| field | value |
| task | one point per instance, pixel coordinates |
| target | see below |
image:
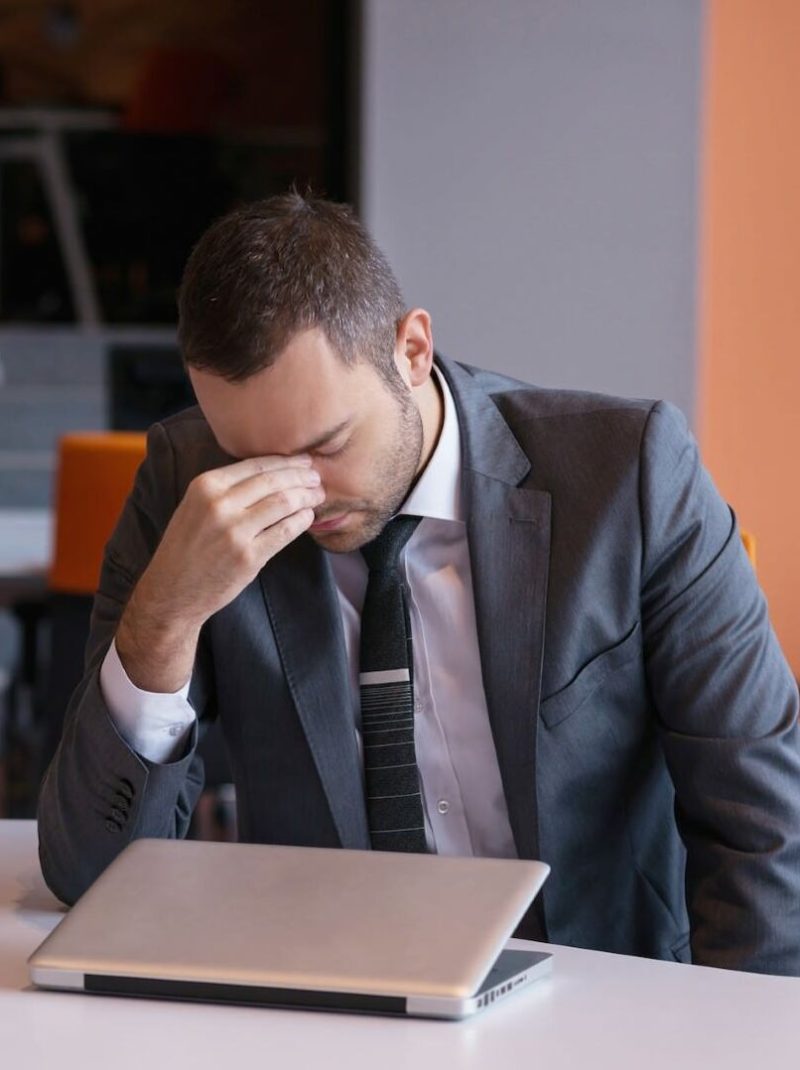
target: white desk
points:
(596, 1011)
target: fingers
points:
(253, 489)
(273, 539)
(269, 511)
(219, 480)
(256, 507)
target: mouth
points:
(331, 524)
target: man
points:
(572, 630)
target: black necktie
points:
(394, 801)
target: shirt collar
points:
(438, 491)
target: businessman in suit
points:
(590, 676)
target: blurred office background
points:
(595, 194)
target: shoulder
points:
(178, 449)
(575, 423)
(521, 402)
(187, 425)
(191, 441)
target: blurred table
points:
(597, 1010)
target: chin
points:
(351, 538)
(339, 542)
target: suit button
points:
(119, 815)
(126, 788)
(112, 826)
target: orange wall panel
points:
(749, 390)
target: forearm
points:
(743, 852)
(98, 795)
(728, 710)
(157, 647)
(730, 732)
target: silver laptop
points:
(298, 927)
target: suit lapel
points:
(303, 608)
(509, 537)
(508, 529)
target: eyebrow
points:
(321, 440)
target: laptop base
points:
(513, 970)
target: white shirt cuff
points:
(155, 725)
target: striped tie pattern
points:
(394, 800)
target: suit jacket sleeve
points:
(98, 794)
(728, 710)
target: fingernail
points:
(312, 477)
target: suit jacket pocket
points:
(568, 700)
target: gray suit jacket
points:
(644, 717)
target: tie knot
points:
(384, 551)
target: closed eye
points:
(335, 451)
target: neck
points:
(431, 409)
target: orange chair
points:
(95, 476)
(750, 545)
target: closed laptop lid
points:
(295, 917)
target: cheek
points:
(341, 482)
(348, 479)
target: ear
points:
(414, 348)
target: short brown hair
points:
(274, 267)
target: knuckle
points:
(300, 520)
(204, 485)
(217, 511)
(245, 555)
(290, 527)
(234, 544)
(287, 526)
(282, 499)
(280, 478)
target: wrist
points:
(156, 649)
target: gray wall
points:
(52, 381)
(531, 169)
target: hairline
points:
(383, 367)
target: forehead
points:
(303, 395)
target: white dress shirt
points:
(465, 808)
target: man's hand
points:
(231, 521)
